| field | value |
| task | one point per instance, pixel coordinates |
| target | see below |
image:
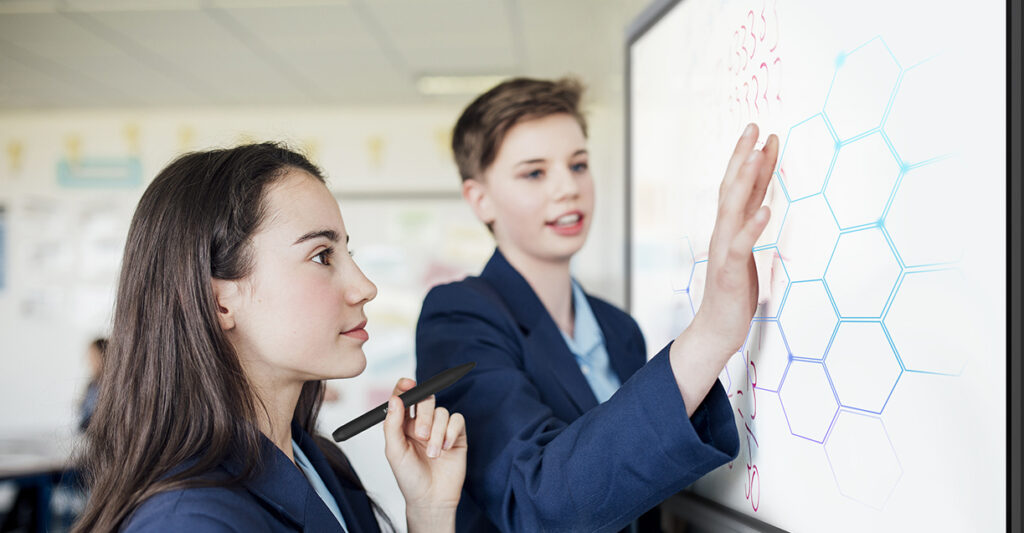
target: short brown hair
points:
(481, 128)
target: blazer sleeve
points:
(181, 510)
(530, 470)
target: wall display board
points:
(871, 391)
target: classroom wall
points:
(69, 182)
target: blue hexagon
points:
(773, 278)
(862, 366)
(807, 157)
(807, 400)
(862, 273)
(861, 89)
(767, 354)
(862, 458)
(927, 320)
(919, 220)
(862, 181)
(808, 319)
(808, 236)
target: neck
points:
(551, 281)
(279, 399)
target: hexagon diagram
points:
(862, 365)
(808, 236)
(861, 89)
(807, 157)
(919, 122)
(928, 319)
(774, 281)
(808, 319)
(767, 354)
(862, 458)
(862, 181)
(807, 400)
(862, 273)
(919, 221)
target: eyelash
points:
(538, 173)
(325, 256)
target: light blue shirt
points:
(587, 344)
(317, 483)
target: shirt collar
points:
(586, 331)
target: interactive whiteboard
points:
(870, 394)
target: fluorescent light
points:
(448, 85)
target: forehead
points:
(298, 202)
(555, 135)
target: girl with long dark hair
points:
(237, 297)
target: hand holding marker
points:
(409, 398)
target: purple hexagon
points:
(806, 157)
(927, 322)
(807, 239)
(807, 400)
(862, 181)
(863, 368)
(767, 354)
(861, 89)
(862, 459)
(808, 319)
(862, 273)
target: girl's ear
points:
(227, 294)
(476, 194)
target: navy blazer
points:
(279, 498)
(543, 454)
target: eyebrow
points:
(328, 234)
(542, 160)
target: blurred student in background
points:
(237, 298)
(569, 429)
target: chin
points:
(351, 365)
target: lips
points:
(569, 223)
(358, 332)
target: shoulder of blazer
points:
(472, 295)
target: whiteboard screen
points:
(870, 394)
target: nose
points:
(565, 185)
(359, 288)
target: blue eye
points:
(324, 257)
(535, 174)
(579, 167)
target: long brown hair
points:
(174, 402)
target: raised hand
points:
(731, 288)
(427, 454)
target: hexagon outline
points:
(689, 277)
(782, 152)
(892, 291)
(892, 347)
(840, 61)
(888, 439)
(785, 413)
(831, 336)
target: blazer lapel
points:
(342, 495)
(281, 486)
(542, 338)
(621, 356)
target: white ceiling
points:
(148, 53)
